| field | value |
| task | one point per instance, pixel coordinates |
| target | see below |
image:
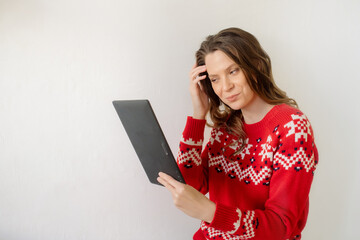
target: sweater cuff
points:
(226, 218)
(194, 129)
(233, 221)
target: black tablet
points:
(147, 138)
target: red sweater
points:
(261, 192)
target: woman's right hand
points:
(199, 98)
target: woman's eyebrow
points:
(226, 69)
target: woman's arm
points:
(192, 160)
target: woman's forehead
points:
(218, 61)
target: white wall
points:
(67, 169)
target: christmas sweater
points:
(261, 192)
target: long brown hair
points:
(245, 50)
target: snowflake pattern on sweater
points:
(262, 191)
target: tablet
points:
(147, 138)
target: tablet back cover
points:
(147, 138)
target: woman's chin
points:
(234, 105)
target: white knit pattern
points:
(215, 136)
(246, 150)
(300, 126)
(287, 162)
(266, 150)
(241, 174)
(191, 142)
(249, 229)
(190, 155)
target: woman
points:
(259, 162)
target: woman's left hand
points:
(188, 199)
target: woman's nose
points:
(227, 84)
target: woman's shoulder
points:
(289, 118)
(288, 109)
(293, 121)
(285, 113)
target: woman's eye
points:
(213, 80)
(233, 71)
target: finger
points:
(196, 71)
(170, 180)
(198, 79)
(167, 185)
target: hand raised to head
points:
(199, 98)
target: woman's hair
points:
(245, 50)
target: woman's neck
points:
(256, 110)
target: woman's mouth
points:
(232, 98)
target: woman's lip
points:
(232, 97)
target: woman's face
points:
(228, 81)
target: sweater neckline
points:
(264, 121)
